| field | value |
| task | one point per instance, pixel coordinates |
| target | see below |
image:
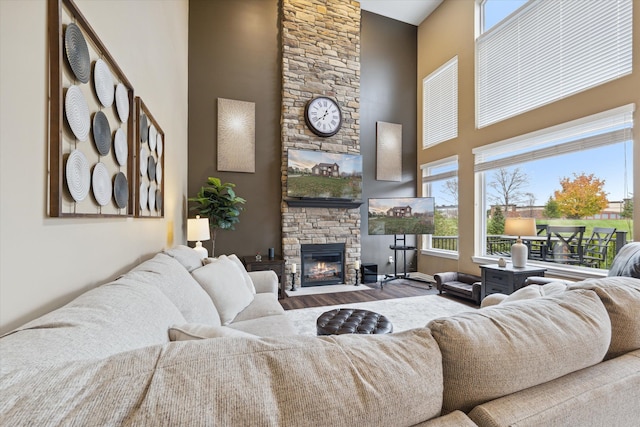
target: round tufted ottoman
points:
(352, 321)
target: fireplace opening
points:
(322, 264)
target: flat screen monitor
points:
(401, 215)
(322, 175)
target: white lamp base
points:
(202, 251)
(519, 253)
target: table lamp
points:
(519, 227)
(198, 230)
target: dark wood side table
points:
(505, 280)
(276, 265)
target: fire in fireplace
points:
(322, 264)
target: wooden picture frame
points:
(67, 197)
(150, 165)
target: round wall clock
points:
(323, 116)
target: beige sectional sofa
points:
(107, 358)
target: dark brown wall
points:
(388, 64)
(234, 53)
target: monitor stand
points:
(399, 244)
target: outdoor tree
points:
(495, 225)
(451, 188)
(445, 226)
(551, 209)
(507, 185)
(581, 196)
(627, 209)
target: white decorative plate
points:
(159, 145)
(122, 102)
(120, 147)
(103, 82)
(77, 112)
(144, 194)
(159, 173)
(121, 190)
(153, 134)
(101, 184)
(78, 175)
(152, 197)
(144, 158)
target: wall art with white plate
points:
(150, 140)
(91, 136)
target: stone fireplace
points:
(322, 264)
(320, 57)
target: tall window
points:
(549, 50)
(494, 11)
(578, 173)
(440, 104)
(440, 180)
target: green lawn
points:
(319, 186)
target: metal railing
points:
(500, 246)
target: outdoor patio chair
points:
(538, 248)
(595, 249)
(564, 244)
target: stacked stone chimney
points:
(320, 57)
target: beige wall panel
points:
(45, 262)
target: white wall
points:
(45, 262)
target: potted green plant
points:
(219, 203)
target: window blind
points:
(550, 50)
(609, 127)
(440, 104)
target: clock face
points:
(323, 116)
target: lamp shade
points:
(198, 229)
(520, 227)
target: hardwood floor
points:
(399, 288)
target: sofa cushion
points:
(263, 305)
(197, 331)
(621, 298)
(223, 281)
(502, 349)
(186, 256)
(270, 326)
(606, 394)
(179, 286)
(384, 380)
(109, 319)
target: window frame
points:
(535, 141)
(446, 102)
(427, 179)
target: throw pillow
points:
(510, 347)
(245, 275)
(197, 331)
(223, 281)
(186, 256)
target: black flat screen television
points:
(322, 175)
(401, 215)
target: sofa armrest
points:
(493, 299)
(264, 281)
